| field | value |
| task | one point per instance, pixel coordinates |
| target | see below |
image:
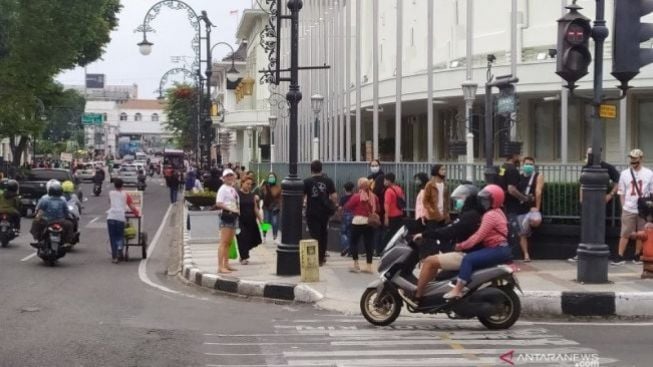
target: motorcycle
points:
(73, 216)
(51, 246)
(491, 297)
(7, 230)
(140, 184)
(97, 189)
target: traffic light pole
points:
(593, 252)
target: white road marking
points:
(142, 267)
(592, 323)
(26, 258)
(94, 220)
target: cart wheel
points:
(143, 245)
(126, 256)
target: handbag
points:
(373, 219)
(233, 249)
(643, 202)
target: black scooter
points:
(51, 247)
(491, 297)
(140, 184)
(8, 230)
(97, 189)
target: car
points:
(86, 172)
(128, 173)
(33, 182)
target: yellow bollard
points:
(308, 261)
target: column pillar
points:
(398, 78)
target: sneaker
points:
(619, 260)
(637, 260)
(344, 252)
(573, 259)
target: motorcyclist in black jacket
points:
(99, 176)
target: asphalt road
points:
(89, 312)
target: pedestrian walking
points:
(120, 204)
(250, 215)
(634, 183)
(173, 181)
(377, 185)
(214, 182)
(271, 191)
(321, 198)
(228, 202)
(364, 205)
(531, 183)
(394, 205)
(346, 218)
(436, 198)
(421, 179)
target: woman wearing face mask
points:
(436, 197)
(271, 192)
(529, 215)
(376, 183)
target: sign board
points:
(66, 157)
(92, 119)
(308, 261)
(506, 104)
(137, 199)
(608, 111)
(95, 81)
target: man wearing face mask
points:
(529, 213)
(377, 180)
(634, 183)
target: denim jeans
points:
(173, 194)
(345, 231)
(483, 258)
(273, 218)
(116, 236)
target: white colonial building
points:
(394, 87)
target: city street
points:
(89, 312)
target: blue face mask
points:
(458, 204)
(528, 169)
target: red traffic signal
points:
(574, 57)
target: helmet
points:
(636, 153)
(461, 193)
(491, 197)
(50, 183)
(68, 186)
(11, 185)
(3, 185)
(55, 189)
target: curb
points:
(233, 285)
(588, 304)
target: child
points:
(646, 236)
(347, 216)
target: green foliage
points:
(181, 109)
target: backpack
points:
(401, 200)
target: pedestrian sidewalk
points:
(549, 285)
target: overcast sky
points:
(123, 64)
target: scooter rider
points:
(465, 202)
(99, 176)
(51, 208)
(72, 200)
(10, 201)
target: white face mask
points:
(375, 169)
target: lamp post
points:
(273, 124)
(469, 94)
(316, 105)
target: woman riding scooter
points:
(465, 202)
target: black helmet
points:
(461, 195)
(55, 189)
(11, 186)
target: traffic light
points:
(629, 32)
(574, 57)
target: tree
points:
(40, 39)
(181, 109)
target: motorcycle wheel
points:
(5, 242)
(509, 315)
(384, 315)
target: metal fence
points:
(560, 202)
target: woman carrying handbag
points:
(365, 207)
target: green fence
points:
(560, 201)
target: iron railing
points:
(561, 196)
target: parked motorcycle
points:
(8, 230)
(51, 246)
(491, 297)
(97, 189)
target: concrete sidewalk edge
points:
(534, 303)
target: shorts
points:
(631, 223)
(451, 260)
(232, 225)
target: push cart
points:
(134, 234)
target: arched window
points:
(123, 117)
(138, 116)
(155, 117)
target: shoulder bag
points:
(373, 219)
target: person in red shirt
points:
(492, 235)
(394, 212)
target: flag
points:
(233, 12)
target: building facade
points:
(393, 89)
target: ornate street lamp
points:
(469, 94)
(316, 105)
(232, 74)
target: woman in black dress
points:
(249, 236)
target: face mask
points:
(458, 204)
(528, 169)
(418, 183)
(375, 169)
(272, 180)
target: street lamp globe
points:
(316, 103)
(233, 74)
(273, 122)
(469, 90)
(145, 47)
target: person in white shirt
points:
(227, 200)
(634, 182)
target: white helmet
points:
(50, 183)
